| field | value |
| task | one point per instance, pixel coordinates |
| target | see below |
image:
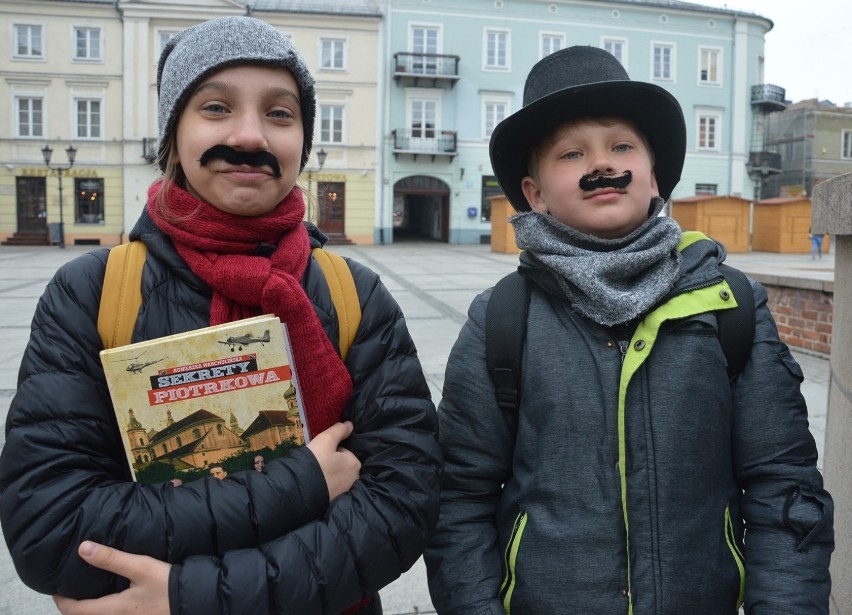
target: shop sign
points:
(45, 172)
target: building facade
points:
(812, 140)
(458, 69)
(408, 93)
(82, 74)
(61, 86)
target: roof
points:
(266, 419)
(199, 416)
(691, 6)
(707, 197)
(333, 7)
(780, 200)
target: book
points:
(211, 401)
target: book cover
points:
(212, 401)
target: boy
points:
(634, 476)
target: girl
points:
(319, 530)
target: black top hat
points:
(581, 82)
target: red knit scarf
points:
(219, 248)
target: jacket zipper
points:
(623, 346)
(510, 560)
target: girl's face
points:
(572, 173)
(251, 110)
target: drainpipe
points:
(733, 100)
(383, 116)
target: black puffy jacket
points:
(267, 541)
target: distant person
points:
(816, 245)
(217, 470)
(325, 526)
(259, 463)
(635, 476)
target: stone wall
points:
(833, 214)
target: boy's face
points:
(573, 169)
(242, 111)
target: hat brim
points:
(653, 110)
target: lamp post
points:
(71, 151)
(321, 155)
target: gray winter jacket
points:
(641, 481)
(257, 542)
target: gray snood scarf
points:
(610, 281)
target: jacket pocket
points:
(510, 558)
(739, 558)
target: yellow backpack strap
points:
(121, 296)
(341, 284)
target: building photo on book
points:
(206, 402)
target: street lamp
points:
(321, 156)
(71, 151)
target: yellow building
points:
(61, 86)
(80, 76)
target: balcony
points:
(763, 164)
(425, 143)
(768, 97)
(425, 69)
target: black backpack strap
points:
(505, 333)
(736, 326)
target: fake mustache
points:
(232, 156)
(591, 182)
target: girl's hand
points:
(339, 466)
(149, 584)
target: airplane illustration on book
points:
(136, 368)
(238, 341)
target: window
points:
(846, 145)
(331, 124)
(551, 43)
(89, 201)
(179, 441)
(497, 49)
(425, 45)
(423, 117)
(705, 189)
(617, 47)
(663, 59)
(163, 37)
(332, 55)
(494, 111)
(709, 66)
(28, 41)
(708, 131)
(88, 118)
(30, 117)
(88, 43)
(789, 145)
(196, 433)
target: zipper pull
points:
(623, 345)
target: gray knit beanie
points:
(196, 52)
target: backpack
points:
(123, 290)
(506, 327)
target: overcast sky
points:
(809, 50)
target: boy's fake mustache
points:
(591, 182)
(232, 156)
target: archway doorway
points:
(421, 209)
